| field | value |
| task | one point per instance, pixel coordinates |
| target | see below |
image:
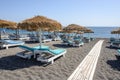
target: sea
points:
(99, 32)
(103, 32)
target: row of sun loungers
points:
(115, 43)
(76, 42)
(32, 37)
(41, 53)
(7, 41)
(20, 37)
(73, 43)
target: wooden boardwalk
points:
(86, 69)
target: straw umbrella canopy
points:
(73, 27)
(79, 32)
(7, 24)
(88, 30)
(40, 23)
(68, 31)
(116, 31)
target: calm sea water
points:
(102, 32)
(99, 32)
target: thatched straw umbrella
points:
(88, 30)
(73, 27)
(116, 31)
(40, 23)
(7, 24)
(79, 32)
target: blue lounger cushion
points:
(14, 42)
(42, 47)
(57, 51)
(35, 48)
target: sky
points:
(81, 12)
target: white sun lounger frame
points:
(50, 60)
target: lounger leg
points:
(52, 61)
(34, 55)
(29, 57)
(6, 47)
(63, 55)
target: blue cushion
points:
(29, 48)
(34, 48)
(57, 51)
(116, 42)
(13, 42)
(42, 47)
(70, 42)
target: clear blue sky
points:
(82, 12)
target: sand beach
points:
(108, 66)
(15, 68)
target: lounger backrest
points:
(34, 48)
(27, 48)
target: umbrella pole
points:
(40, 37)
(0, 35)
(16, 33)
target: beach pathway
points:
(86, 69)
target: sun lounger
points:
(19, 37)
(86, 39)
(24, 37)
(46, 40)
(4, 36)
(43, 54)
(78, 43)
(56, 38)
(9, 43)
(112, 39)
(34, 38)
(67, 42)
(30, 51)
(48, 56)
(91, 39)
(115, 44)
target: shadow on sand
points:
(14, 62)
(112, 47)
(115, 64)
(63, 46)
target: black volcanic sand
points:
(108, 66)
(15, 68)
